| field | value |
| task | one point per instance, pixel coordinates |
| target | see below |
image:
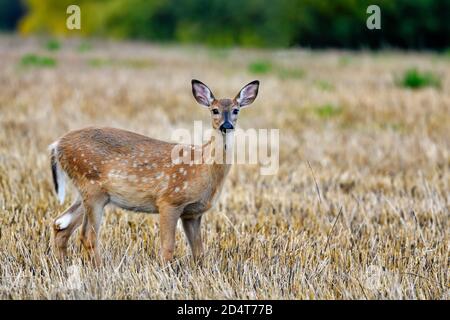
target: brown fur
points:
(134, 172)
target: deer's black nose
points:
(226, 126)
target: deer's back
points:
(134, 171)
(116, 162)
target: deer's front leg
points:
(192, 230)
(168, 224)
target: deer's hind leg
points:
(92, 220)
(64, 225)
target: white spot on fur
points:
(63, 222)
(176, 189)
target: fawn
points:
(134, 172)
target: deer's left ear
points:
(248, 94)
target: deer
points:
(138, 173)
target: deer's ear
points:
(202, 93)
(248, 93)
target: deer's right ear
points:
(202, 93)
(248, 93)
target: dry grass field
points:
(359, 208)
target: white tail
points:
(59, 180)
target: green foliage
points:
(53, 45)
(252, 23)
(84, 47)
(328, 111)
(344, 61)
(291, 73)
(324, 85)
(219, 53)
(445, 53)
(98, 62)
(415, 79)
(127, 63)
(260, 67)
(33, 60)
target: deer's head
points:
(224, 112)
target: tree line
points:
(418, 24)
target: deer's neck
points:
(216, 157)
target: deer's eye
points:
(215, 111)
(235, 111)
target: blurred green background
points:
(411, 24)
